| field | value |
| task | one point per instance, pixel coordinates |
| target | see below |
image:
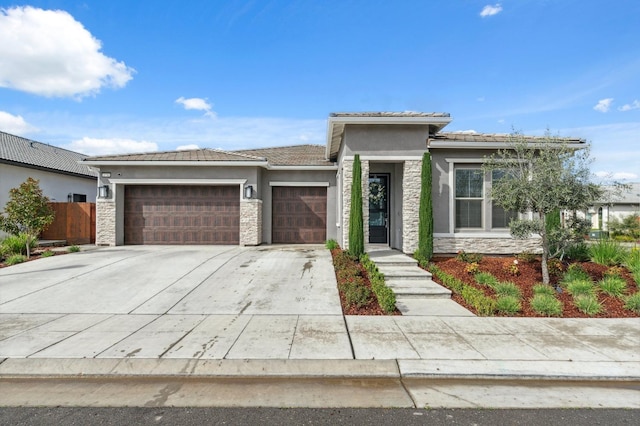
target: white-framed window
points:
(474, 210)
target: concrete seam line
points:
(526, 377)
(404, 386)
(346, 326)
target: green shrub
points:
(632, 259)
(483, 304)
(331, 244)
(633, 303)
(385, 295)
(14, 259)
(574, 272)
(588, 304)
(357, 295)
(17, 244)
(581, 288)
(547, 305)
(486, 278)
(578, 252)
(47, 253)
(507, 289)
(613, 285)
(73, 249)
(544, 289)
(469, 257)
(607, 252)
(508, 305)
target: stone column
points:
(411, 181)
(250, 222)
(105, 222)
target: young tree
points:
(542, 175)
(425, 227)
(356, 226)
(27, 211)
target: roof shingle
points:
(204, 154)
(296, 155)
(21, 151)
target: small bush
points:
(526, 256)
(14, 259)
(607, 252)
(485, 278)
(632, 259)
(547, 305)
(588, 304)
(555, 267)
(17, 244)
(331, 244)
(472, 268)
(575, 272)
(385, 295)
(357, 295)
(469, 257)
(508, 305)
(73, 249)
(511, 268)
(581, 288)
(507, 289)
(614, 271)
(578, 252)
(613, 285)
(632, 303)
(47, 253)
(484, 305)
(544, 289)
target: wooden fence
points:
(74, 222)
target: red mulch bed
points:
(372, 308)
(531, 274)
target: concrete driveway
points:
(205, 280)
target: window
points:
(473, 210)
(469, 197)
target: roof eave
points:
(99, 163)
(336, 126)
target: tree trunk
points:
(545, 252)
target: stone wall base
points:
(105, 223)
(250, 222)
(505, 245)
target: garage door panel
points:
(299, 214)
(182, 214)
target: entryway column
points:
(105, 222)
(250, 222)
(411, 181)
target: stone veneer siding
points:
(105, 223)
(250, 222)
(347, 181)
(411, 182)
(505, 245)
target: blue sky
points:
(120, 76)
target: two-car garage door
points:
(172, 214)
(183, 214)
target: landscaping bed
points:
(526, 275)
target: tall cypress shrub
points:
(356, 230)
(425, 227)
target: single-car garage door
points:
(172, 214)
(299, 214)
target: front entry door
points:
(379, 208)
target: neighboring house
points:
(615, 204)
(302, 194)
(61, 177)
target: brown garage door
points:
(166, 214)
(299, 214)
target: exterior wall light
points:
(103, 191)
(248, 191)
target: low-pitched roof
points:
(492, 137)
(24, 152)
(296, 155)
(203, 154)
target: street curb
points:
(107, 368)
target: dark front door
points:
(379, 208)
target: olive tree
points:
(27, 211)
(542, 176)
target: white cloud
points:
(49, 53)
(108, 146)
(466, 132)
(490, 10)
(603, 105)
(628, 107)
(14, 124)
(198, 104)
(187, 147)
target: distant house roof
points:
(613, 195)
(390, 114)
(296, 155)
(22, 152)
(492, 137)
